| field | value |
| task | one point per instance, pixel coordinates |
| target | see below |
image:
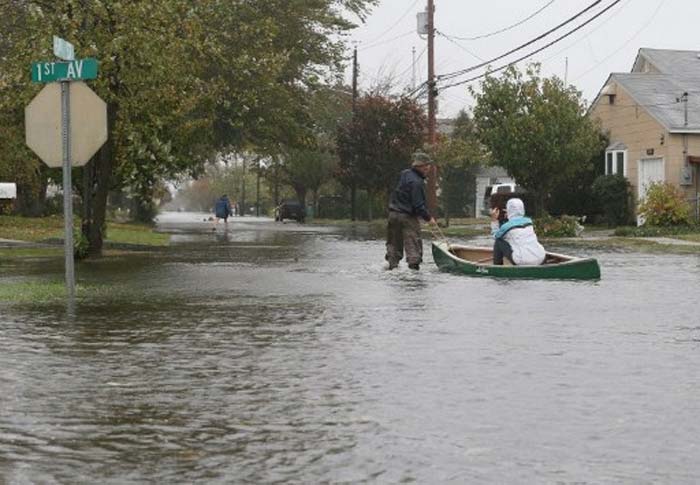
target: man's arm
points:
(419, 204)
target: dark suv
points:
(290, 210)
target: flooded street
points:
(279, 353)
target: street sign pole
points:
(66, 133)
(67, 190)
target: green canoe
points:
(476, 261)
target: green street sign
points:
(77, 70)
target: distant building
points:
(8, 190)
(8, 194)
(652, 115)
(445, 126)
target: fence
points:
(694, 204)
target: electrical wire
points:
(371, 46)
(418, 91)
(405, 71)
(505, 29)
(622, 7)
(395, 23)
(540, 49)
(646, 24)
(522, 46)
(458, 45)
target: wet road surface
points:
(277, 353)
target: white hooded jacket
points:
(523, 241)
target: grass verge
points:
(21, 252)
(33, 291)
(38, 229)
(624, 244)
(54, 291)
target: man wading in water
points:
(406, 205)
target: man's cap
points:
(420, 158)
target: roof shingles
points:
(660, 93)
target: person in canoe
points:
(406, 205)
(515, 239)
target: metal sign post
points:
(66, 123)
(67, 189)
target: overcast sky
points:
(608, 44)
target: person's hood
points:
(515, 208)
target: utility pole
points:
(566, 72)
(355, 74)
(432, 94)
(242, 209)
(413, 68)
(257, 192)
(686, 168)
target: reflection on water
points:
(274, 352)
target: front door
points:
(650, 170)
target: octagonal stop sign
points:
(88, 124)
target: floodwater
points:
(274, 353)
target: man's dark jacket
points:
(409, 195)
(222, 207)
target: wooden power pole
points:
(355, 74)
(432, 94)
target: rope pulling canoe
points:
(438, 234)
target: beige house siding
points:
(645, 138)
(627, 122)
(677, 162)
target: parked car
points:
(290, 209)
(506, 188)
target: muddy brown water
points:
(278, 353)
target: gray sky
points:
(608, 44)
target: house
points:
(652, 116)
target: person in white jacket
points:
(516, 238)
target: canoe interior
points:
(484, 256)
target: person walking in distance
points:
(407, 205)
(222, 209)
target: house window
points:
(616, 162)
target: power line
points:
(395, 23)
(522, 46)
(622, 7)
(458, 44)
(405, 71)
(505, 29)
(646, 24)
(417, 92)
(387, 41)
(540, 49)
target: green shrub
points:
(664, 205)
(564, 226)
(80, 245)
(613, 193)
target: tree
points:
(458, 155)
(183, 80)
(576, 197)
(378, 142)
(536, 129)
(306, 170)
